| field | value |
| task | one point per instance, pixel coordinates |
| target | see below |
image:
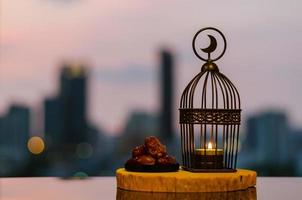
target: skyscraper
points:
(167, 92)
(18, 128)
(268, 138)
(53, 122)
(73, 99)
(14, 134)
(65, 115)
(251, 136)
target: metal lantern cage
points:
(210, 116)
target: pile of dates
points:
(151, 157)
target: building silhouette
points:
(270, 132)
(14, 134)
(65, 116)
(296, 149)
(139, 124)
(53, 123)
(267, 147)
(251, 136)
(167, 95)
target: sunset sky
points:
(120, 41)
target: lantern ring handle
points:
(212, 46)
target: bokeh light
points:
(84, 150)
(36, 145)
(80, 175)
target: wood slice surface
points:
(184, 181)
(248, 194)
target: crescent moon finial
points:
(213, 44)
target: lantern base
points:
(223, 170)
(185, 181)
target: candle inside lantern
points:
(209, 157)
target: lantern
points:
(210, 114)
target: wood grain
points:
(184, 181)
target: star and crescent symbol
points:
(211, 47)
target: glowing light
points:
(84, 150)
(210, 145)
(75, 70)
(80, 175)
(35, 145)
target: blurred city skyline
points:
(120, 41)
(73, 146)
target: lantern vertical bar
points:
(225, 101)
(234, 106)
(186, 146)
(192, 152)
(237, 142)
(237, 126)
(223, 138)
(231, 134)
(191, 105)
(216, 125)
(212, 102)
(228, 106)
(182, 143)
(231, 146)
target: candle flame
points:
(210, 145)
